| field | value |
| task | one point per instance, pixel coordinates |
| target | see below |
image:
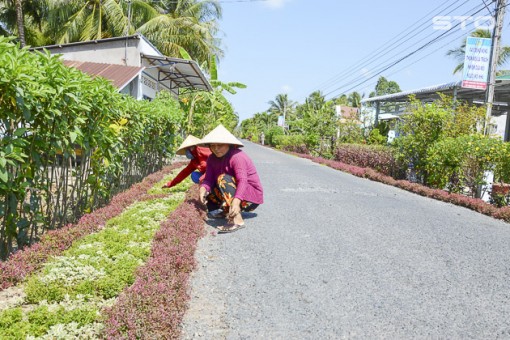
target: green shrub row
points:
(69, 142)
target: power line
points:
(386, 46)
(383, 67)
(403, 58)
(456, 38)
(353, 73)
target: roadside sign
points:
(476, 63)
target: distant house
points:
(347, 113)
(500, 110)
(133, 65)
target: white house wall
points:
(108, 52)
(112, 52)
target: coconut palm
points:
(20, 22)
(25, 17)
(354, 99)
(281, 105)
(459, 52)
(82, 20)
(188, 24)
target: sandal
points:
(229, 228)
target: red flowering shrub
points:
(377, 157)
(153, 307)
(22, 263)
(475, 204)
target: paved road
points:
(331, 256)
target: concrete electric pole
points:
(496, 39)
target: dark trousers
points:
(223, 193)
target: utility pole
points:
(496, 39)
(284, 109)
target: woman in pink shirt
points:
(231, 181)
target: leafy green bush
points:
(293, 143)
(69, 143)
(502, 167)
(376, 138)
(271, 134)
(459, 163)
(429, 123)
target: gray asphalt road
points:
(332, 256)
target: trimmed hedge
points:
(376, 157)
(475, 204)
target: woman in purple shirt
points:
(231, 181)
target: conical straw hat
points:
(188, 142)
(220, 135)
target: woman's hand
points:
(235, 208)
(166, 186)
(203, 195)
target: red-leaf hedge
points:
(475, 204)
(22, 263)
(153, 307)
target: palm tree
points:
(82, 20)
(281, 106)
(23, 18)
(354, 99)
(188, 24)
(460, 51)
(20, 22)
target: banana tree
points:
(207, 109)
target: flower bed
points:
(153, 307)
(475, 204)
(54, 242)
(68, 297)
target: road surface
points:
(332, 256)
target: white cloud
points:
(286, 89)
(276, 3)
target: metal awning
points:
(501, 93)
(181, 72)
(119, 75)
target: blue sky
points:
(299, 46)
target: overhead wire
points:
(355, 73)
(456, 38)
(388, 66)
(387, 46)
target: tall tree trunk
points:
(20, 22)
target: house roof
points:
(182, 72)
(349, 112)
(501, 89)
(119, 75)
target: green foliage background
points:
(69, 142)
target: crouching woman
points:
(231, 181)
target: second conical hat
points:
(220, 135)
(188, 142)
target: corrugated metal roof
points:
(182, 72)
(119, 75)
(430, 89)
(425, 91)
